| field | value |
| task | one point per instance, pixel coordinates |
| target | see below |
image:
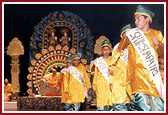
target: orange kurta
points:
(53, 81)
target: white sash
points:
(103, 68)
(64, 71)
(78, 76)
(144, 49)
(124, 56)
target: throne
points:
(45, 89)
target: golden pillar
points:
(15, 49)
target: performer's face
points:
(161, 64)
(141, 22)
(106, 51)
(76, 62)
(69, 64)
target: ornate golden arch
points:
(45, 61)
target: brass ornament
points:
(29, 77)
(33, 62)
(15, 47)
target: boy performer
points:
(101, 80)
(146, 44)
(121, 90)
(76, 84)
(61, 80)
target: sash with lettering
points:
(103, 68)
(144, 49)
(124, 56)
(78, 76)
(64, 71)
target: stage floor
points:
(12, 106)
(44, 103)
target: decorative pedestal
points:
(15, 49)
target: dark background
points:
(102, 19)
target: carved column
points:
(15, 49)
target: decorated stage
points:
(56, 37)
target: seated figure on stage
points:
(8, 91)
(49, 84)
(65, 40)
(52, 79)
(52, 39)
